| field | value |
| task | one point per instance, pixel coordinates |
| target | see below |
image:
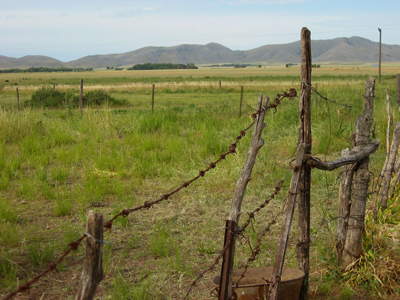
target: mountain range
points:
(334, 51)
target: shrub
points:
(50, 97)
(47, 97)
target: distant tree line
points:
(161, 66)
(45, 69)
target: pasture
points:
(57, 164)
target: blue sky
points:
(68, 30)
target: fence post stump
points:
(92, 273)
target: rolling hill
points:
(339, 50)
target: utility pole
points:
(380, 54)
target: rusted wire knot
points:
(125, 213)
(165, 197)
(52, 266)
(186, 184)
(222, 156)
(23, 287)
(74, 245)
(212, 165)
(232, 148)
(108, 225)
(147, 204)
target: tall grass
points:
(61, 163)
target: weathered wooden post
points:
(241, 100)
(225, 290)
(300, 182)
(18, 98)
(152, 98)
(398, 90)
(81, 96)
(220, 84)
(92, 272)
(303, 245)
(355, 227)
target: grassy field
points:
(57, 164)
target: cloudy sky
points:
(67, 30)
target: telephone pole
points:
(380, 54)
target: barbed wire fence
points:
(73, 246)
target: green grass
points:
(57, 164)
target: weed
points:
(40, 253)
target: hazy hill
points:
(29, 61)
(339, 50)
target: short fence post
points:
(220, 84)
(152, 98)
(241, 100)
(18, 98)
(81, 96)
(92, 273)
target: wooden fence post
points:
(18, 98)
(355, 227)
(220, 84)
(241, 100)
(152, 98)
(398, 90)
(316, 94)
(92, 273)
(81, 96)
(225, 292)
(303, 246)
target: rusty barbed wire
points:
(326, 99)
(217, 259)
(232, 149)
(73, 246)
(256, 250)
(261, 206)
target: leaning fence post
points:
(92, 272)
(225, 290)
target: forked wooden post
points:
(225, 290)
(92, 273)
